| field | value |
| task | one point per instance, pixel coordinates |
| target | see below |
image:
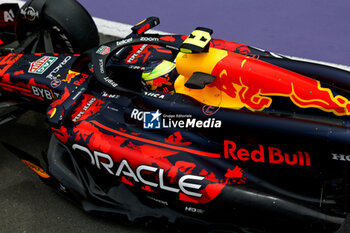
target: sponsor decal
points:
(265, 154)
(123, 42)
(134, 56)
(71, 75)
(103, 50)
(247, 83)
(341, 157)
(157, 200)
(150, 39)
(44, 93)
(136, 67)
(100, 64)
(155, 94)
(209, 110)
(41, 65)
(111, 82)
(112, 109)
(9, 16)
(85, 108)
(29, 13)
(172, 121)
(113, 96)
(186, 184)
(194, 210)
(81, 80)
(54, 71)
(79, 93)
(55, 83)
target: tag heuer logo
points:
(41, 65)
(103, 50)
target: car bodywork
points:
(246, 134)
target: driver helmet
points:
(160, 77)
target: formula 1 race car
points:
(199, 131)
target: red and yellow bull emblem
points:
(246, 82)
(71, 75)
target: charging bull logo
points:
(71, 75)
(248, 82)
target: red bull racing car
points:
(201, 132)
